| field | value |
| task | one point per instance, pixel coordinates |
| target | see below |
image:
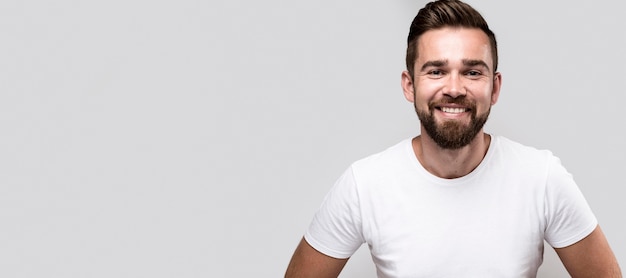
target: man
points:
(454, 201)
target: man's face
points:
(454, 84)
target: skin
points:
(310, 263)
(457, 63)
(452, 62)
(590, 257)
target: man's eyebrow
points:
(473, 63)
(435, 63)
(466, 62)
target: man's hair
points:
(446, 13)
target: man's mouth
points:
(453, 110)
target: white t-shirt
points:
(489, 223)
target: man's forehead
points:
(453, 45)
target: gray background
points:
(197, 138)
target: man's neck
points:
(447, 163)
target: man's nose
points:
(454, 86)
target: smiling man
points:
(454, 201)
(452, 84)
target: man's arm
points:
(308, 262)
(590, 257)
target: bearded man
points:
(454, 201)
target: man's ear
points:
(407, 86)
(497, 85)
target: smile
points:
(453, 110)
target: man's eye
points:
(435, 72)
(473, 73)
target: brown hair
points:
(446, 13)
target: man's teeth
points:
(454, 110)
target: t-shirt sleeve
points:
(569, 217)
(336, 229)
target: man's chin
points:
(464, 121)
(454, 140)
(453, 126)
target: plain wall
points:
(198, 138)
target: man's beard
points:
(452, 134)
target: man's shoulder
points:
(515, 145)
(397, 153)
(511, 149)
